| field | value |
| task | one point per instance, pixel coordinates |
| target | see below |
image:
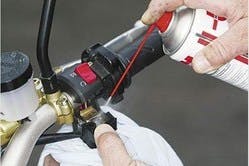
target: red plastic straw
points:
(134, 57)
(162, 24)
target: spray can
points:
(192, 29)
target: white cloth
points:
(141, 143)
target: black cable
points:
(48, 76)
(56, 137)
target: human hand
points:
(232, 43)
(111, 148)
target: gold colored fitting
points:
(58, 101)
(7, 129)
(88, 113)
(39, 91)
(62, 106)
(66, 111)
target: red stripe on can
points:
(242, 59)
(208, 35)
(215, 24)
(203, 42)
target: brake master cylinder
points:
(18, 94)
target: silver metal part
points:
(67, 65)
(72, 100)
(178, 30)
(119, 42)
(99, 119)
(127, 37)
(23, 141)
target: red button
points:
(86, 73)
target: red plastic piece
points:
(164, 21)
(86, 73)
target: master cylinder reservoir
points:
(18, 98)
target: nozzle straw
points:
(139, 49)
(108, 101)
(162, 24)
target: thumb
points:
(223, 49)
(111, 148)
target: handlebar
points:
(120, 49)
(22, 143)
(152, 51)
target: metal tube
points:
(23, 141)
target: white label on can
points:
(207, 27)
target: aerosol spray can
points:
(190, 30)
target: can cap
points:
(164, 21)
(16, 70)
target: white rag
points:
(142, 144)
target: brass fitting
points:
(39, 91)
(7, 129)
(58, 101)
(88, 113)
(62, 106)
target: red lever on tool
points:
(162, 24)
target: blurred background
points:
(203, 119)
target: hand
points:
(232, 43)
(50, 161)
(111, 148)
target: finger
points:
(232, 43)
(156, 9)
(137, 163)
(111, 148)
(232, 9)
(50, 161)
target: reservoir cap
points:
(16, 70)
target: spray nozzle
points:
(164, 21)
